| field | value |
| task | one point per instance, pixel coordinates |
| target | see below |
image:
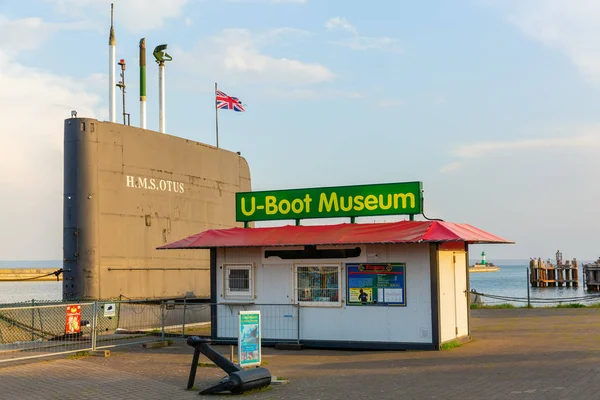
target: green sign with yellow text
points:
(342, 201)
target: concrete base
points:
(460, 340)
(155, 345)
(100, 353)
(278, 381)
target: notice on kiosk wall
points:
(376, 284)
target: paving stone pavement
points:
(519, 354)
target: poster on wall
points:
(249, 336)
(376, 284)
(73, 324)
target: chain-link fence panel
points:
(279, 322)
(44, 330)
(122, 323)
(31, 331)
(187, 318)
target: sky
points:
(493, 104)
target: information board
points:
(376, 284)
(249, 336)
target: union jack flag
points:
(225, 102)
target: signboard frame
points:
(401, 198)
(249, 344)
(376, 281)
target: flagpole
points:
(216, 116)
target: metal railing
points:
(280, 322)
(41, 330)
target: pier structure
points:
(546, 274)
(30, 274)
(591, 275)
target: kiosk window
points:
(318, 285)
(238, 281)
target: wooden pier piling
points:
(545, 274)
(591, 275)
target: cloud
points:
(235, 55)
(569, 27)
(481, 149)
(136, 16)
(49, 98)
(358, 42)
(279, 33)
(336, 23)
(588, 140)
(34, 105)
(451, 167)
(29, 33)
(541, 198)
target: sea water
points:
(511, 281)
(16, 292)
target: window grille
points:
(238, 280)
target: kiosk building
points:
(397, 285)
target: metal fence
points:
(279, 322)
(41, 330)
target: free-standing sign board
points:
(249, 336)
(73, 324)
(376, 284)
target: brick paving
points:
(516, 354)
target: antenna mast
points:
(121, 85)
(112, 43)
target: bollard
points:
(239, 380)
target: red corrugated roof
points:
(391, 232)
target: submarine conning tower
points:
(129, 190)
